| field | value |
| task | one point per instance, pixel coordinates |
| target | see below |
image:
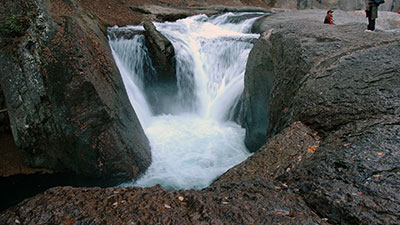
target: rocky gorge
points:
(320, 108)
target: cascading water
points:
(197, 144)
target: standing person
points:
(371, 12)
(329, 17)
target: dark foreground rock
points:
(67, 104)
(251, 202)
(344, 84)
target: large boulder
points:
(67, 104)
(344, 84)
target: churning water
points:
(200, 140)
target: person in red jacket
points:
(329, 17)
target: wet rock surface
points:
(258, 83)
(355, 180)
(66, 101)
(344, 84)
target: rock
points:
(162, 53)
(389, 5)
(359, 115)
(252, 202)
(319, 4)
(4, 120)
(163, 90)
(258, 82)
(115, 33)
(386, 21)
(67, 104)
(283, 153)
(160, 13)
(353, 179)
(224, 9)
(344, 84)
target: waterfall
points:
(200, 140)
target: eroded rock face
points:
(67, 103)
(344, 84)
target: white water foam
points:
(190, 152)
(194, 147)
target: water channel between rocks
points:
(200, 139)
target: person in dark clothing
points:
(371, 12)
(329, 17)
